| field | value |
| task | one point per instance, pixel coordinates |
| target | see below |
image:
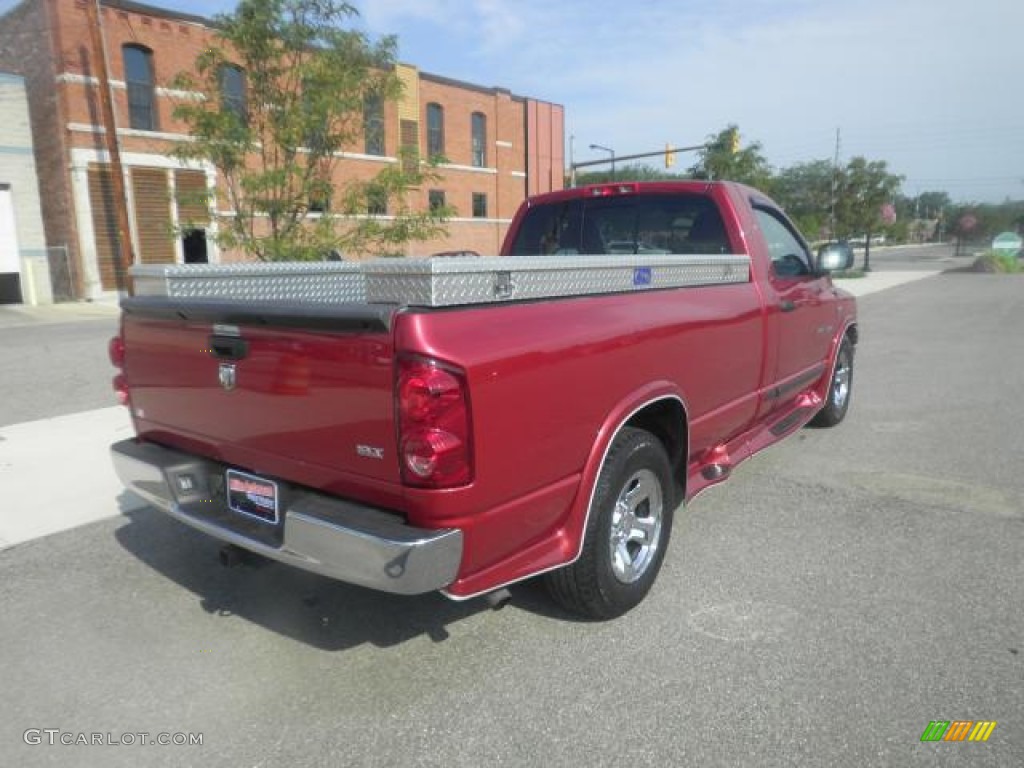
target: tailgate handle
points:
(228, 347)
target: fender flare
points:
(576, 520)
(833, 356)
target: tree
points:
(722, 158)
(863, 188)
(805, 190)
(282, 92)
(637, 172)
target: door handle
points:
(787, 306)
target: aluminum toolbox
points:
(438, 282)
(327, 282)
(472, 280)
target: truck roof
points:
(698, 186)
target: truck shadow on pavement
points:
(312, 609)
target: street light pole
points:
(610, 151)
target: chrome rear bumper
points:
(333, 537)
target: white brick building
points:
(24, 274)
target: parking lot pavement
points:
(56, 473)
(66, 457)
(839, 593)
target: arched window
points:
(138, 76)
(435, 130)
(479, 140)
(232, 91)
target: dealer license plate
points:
(252, 496)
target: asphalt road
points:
(837, 594)
(51, 369)
(914, 257)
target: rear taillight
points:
(611, 190)
(115, 349)
(434, 440)
(121, 388)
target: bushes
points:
(997, 262)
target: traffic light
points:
(670, 156)
(734, 141)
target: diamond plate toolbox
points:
(325, 282)
(471, 280)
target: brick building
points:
(500, 147)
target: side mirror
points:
(834, 257)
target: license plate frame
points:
(253, 496)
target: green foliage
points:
(626, 173)
(805, 191)
(746, 165)
(991, 219)
(307, 79)
(862, 188)
(998, 261)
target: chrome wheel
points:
(636, 526)
(841, 381)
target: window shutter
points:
(104, 224)
(153, 216)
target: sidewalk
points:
(876, 281)
(56, 474)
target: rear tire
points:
(627, 531)
(840, 387)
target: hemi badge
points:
(369, 452)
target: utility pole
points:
(123, 256)
(835, 184)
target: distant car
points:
(443, 254)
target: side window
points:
(787, 251)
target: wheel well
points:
(666, 420)
(854, 334)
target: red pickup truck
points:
(461, 424)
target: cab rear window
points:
(630, 224)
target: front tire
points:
(627, 531)
(840, 387)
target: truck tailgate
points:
(266, 387)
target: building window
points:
(436, 197)
(232, 92)
(138, 75)
(376, 202)
(435, 130)
(373, 124)
(479, 140)
(479, 205)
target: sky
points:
(933, 87)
